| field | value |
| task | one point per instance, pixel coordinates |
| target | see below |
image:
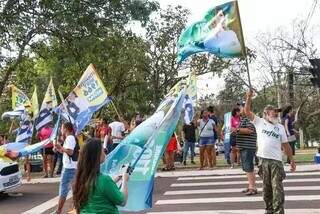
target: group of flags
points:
(86, 98)
(219, 33)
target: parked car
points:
(10, 175)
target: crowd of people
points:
(251, 136)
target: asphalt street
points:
(201, 194)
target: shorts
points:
(48, 151)
(247, 159)
(67, 177)
(206, 141)
(233, 140)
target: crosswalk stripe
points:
(257, 211)
(240, 182)
(233, 190)
(233, 199)
(238, 176)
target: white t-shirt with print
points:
(207, 128)
(69, 143)
(117, 129)
(270, 137)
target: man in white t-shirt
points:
(69, 162)
(271, 139)
(117, 133)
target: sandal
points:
(245, 190)
(252, 192)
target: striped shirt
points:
(247, 141)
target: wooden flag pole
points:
(114, 106)
(244, 46)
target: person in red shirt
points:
(104, 133)
(48, 154)
(172, 147)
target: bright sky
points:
(256, 16)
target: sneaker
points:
(193, 162)
(184, 163)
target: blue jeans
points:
(188, 145)
(227, 149)
(67, 177)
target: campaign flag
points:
(24, 148)
(86, 98)
(145, 146)
(219, 32)
(49, 103)
(35, 103)
(19, 98)
(191, 89)
(227, 127)
(24, 132)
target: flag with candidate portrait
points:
(219, 32)
(49, 103)
(85, 99)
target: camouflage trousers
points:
(272, 174)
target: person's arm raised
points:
(247, 107)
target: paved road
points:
(207, 194)
(222, 194)
(26, 197)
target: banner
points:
(35, 103)
(25, 149)
(148, 141)
(19, 98)
(227, 127)
(219, 33)
(24, 132)
(49, 103)
(191, 98)
(87, 97)
(191, 90)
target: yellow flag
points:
(35, 103)
(19, 98)
(50, 96)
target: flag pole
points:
(244, 46)
(114, 106)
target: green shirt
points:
(104, 198)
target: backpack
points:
(76, 150)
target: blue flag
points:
(145, 146)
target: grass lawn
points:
(303, 156)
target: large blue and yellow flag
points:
(88, 96)
(145, 145)
(219, 32)
(49, 103)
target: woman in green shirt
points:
(94, 192)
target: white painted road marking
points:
(290, 211)
(233, 199)
(239, 176)
(233, 190)
(241, 182)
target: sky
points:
(257, 16)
